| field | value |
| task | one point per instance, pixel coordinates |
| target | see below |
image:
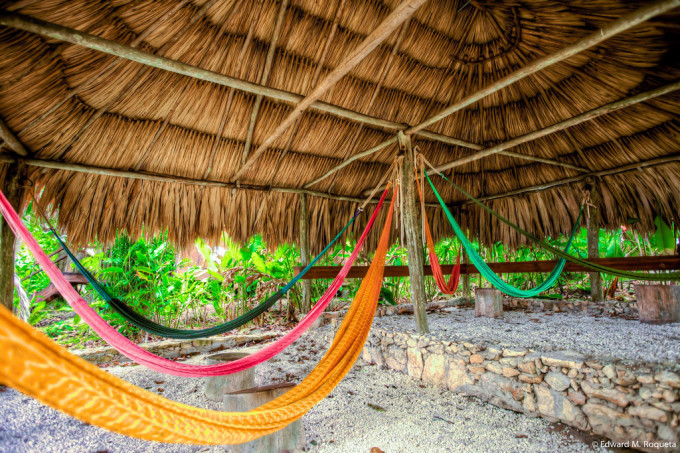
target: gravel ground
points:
(403, 416)
(600, 336)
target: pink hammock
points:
(143, 357)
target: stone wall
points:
(621, 400)
(610, 307)
(171, 349)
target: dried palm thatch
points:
(70, 104)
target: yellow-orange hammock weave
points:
(33, 364)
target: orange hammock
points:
(445, 287)
(38, 367)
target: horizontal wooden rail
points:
(638, 263)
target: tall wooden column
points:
(306, 304)
(12, 191)
(412, 230)
(593, 228)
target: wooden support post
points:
(593, 226)
(12, 191)
(218, 386)
(466, 277)
(414, 241)
(488, 302)
(23, 311)
(658, 304)
(306, 303)
(289, 439)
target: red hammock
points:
(454, 279)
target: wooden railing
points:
(638, 263)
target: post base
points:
(658, 304)
(488, 302)
(218, 386)
(289, 439)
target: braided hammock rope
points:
(487, 272)
(669, 276)
(154, 328)
(150, 360)
(38, 367)
(445, 287)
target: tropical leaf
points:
(665, 239)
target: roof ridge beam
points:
(398, 16)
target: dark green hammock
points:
(148, 325)
(671, 276)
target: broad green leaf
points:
(665, 239)
(259, 263)
(112, 270)
(245, 254)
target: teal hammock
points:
(670, 276)
(154, 328)
(490, 275)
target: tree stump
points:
(658, 304)
(289, 439)
(488, 302)
(218, 386)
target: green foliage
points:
(148, 275)
(665, 238)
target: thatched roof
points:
(127, 116)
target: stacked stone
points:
(624, 400)
(557, 306)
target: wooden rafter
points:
(576, 179)
(264, 78)
(315, 79)
(562, 125)
(400, 14)
(573, 121)
(626, 22)
(10, 140)
(144, 154)
(231, 93)
(387, 64)
(70, 94)
(162, 177)
(110, 47)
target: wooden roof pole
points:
(400, 14)
(578, 119)
(107, 67)
(596, 174)
(144, 154)
(90, 41)
(269, 61)
(583, 117)
(160, 177)
(11, 140)
(393, 140)
(387, 64)
(315, 79)
(230, 95)
(624, 23)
